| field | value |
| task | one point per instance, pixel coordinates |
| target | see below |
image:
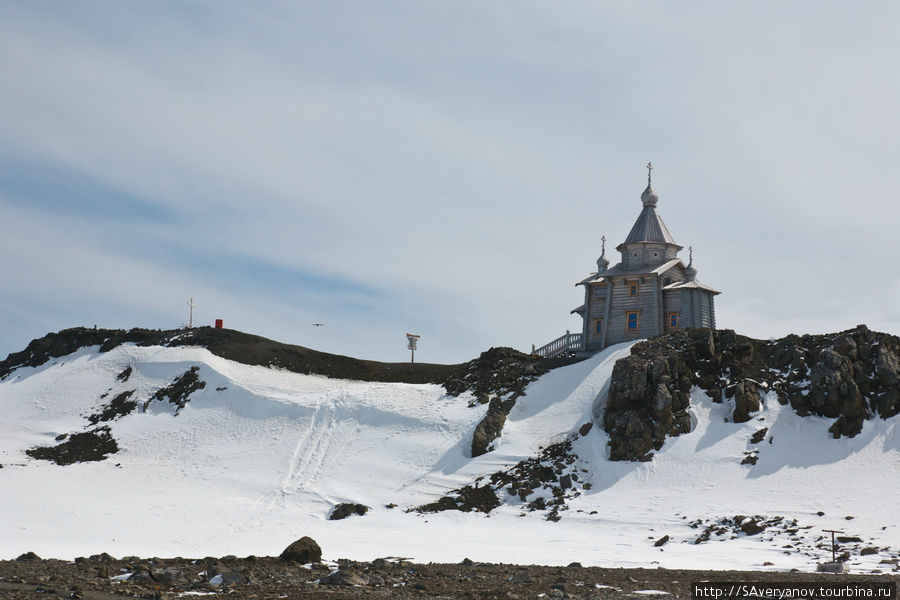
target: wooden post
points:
(833, 555)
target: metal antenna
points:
(191, 318)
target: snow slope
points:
(260, 456)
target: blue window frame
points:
(632, 320)
(598, 325)
(673, 320)
(633, 289)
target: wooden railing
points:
(565, 344)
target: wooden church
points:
(649, 292)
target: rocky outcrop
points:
(648, 398)
(498, 377)
(347, 509)
(849, 376)
(87, 446)
(179, 391)
(491, 425)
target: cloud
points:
(444, 169)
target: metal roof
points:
(619, 270)
(690, 285)
(590, 278)
(649, 227)
(579, 310)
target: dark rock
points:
(179, 391)
(117, 407)
(467, 562)
(124, 375)
(751, 527)
(848, 539)
(868, 550)
(585, 429)
(759, 435)
(344, 510)
(491, 425)
(28, 556)
(88, 446)
(661, 541)
(305, 550)
(102, 557)
(746, 401)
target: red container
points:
(218, 323)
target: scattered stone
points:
(343, 577)
(574, 565)
(868, 550)
(848, 539)
(661, 541)
(303, 551)
(467, 562)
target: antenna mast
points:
(191, 317)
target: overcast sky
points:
(440, 168)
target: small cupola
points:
(690, 271)
(602, 262)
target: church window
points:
(632, 320)
(632, 288)
(673, 320)
(598, 325)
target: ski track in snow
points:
(260, 456)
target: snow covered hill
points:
(259, 457)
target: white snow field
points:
(260, 456)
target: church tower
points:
(649, 292)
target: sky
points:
(440, 168)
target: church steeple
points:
(649, 227)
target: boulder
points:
(305, 550)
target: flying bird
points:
(318, 324)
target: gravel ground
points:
(268, 578)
